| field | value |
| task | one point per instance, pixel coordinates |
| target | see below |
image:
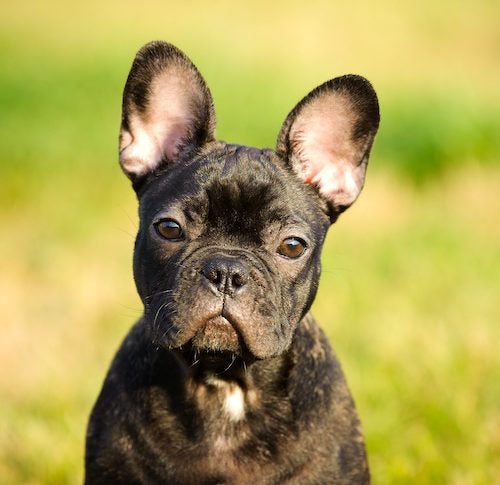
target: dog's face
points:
(227, 257)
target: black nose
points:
(226, 274)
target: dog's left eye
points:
(292, 247)
(169, 229)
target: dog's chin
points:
(217, 347)
(217, 335)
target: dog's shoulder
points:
(320, 395)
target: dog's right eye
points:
(169, 229)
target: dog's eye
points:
(292, 247)
(169, 229)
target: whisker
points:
(230, 364)
(154, 326)
(148, 297)
(167, 330)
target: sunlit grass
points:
(411, 274)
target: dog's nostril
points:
(212, 274)
(239, 279)
(218, 278)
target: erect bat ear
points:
(327, 138)
(167, 112)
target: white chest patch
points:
(234, 403)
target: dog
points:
(227, 378)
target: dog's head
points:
(227, 258)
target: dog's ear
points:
(327, 138)
(167, 112)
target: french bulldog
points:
(227, 378)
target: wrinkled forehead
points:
(245, 182)
(239, 186)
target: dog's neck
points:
(236, 387)
(228, 388)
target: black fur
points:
(226, 379)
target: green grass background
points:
(411, 274)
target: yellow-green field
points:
(410, 293)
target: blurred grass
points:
(412, 269)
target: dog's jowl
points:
(226, 378)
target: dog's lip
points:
(220, 320)
(239, 320)
(225, 319)
(216, 333)
(221, 317)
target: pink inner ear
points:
(167, 123)
(325, 154)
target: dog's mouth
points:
(217, 347)
(218, 334)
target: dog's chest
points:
(226, 401)
(225, 408)
(225, 438)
